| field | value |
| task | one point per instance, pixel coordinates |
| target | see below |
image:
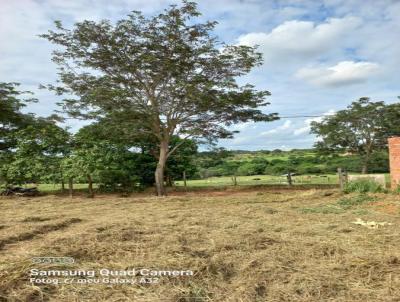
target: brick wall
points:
(394, 156)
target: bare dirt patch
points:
(388, 208)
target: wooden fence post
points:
(341, 180)
(71, 186)
(289, 179)
(234, 180)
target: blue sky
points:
(319, 55)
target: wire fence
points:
(331, 179)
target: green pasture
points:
(253, 180)
(261, 180)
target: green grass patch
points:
(342, 205)
(355, 200)
(363, 186)
(360, 212)
(323, 209)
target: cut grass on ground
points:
(241, 246)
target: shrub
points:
(307, 168)
(363, 186)
(278, 169)
(250, 168)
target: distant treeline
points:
(277, 162)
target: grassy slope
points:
(246, 246)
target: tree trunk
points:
(71, 187)
(62, 182)
(367, 156)
(159, 173)
(184, 179)
(170, 182)
(90, 186)
(364, 169)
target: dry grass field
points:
(275, 245)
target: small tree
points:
(82, 163)
(38, 152)
(362, 129)
(90, 155)
(11, 117)
(157, 77)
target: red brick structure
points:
(394, 156)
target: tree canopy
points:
(362, 128)
(37, 154)
(11, 117)
(158, 77)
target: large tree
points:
(159, 76)
(362, 128)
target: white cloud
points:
(244, 126)
(302, 130)
(307, 36)
(342, 74)
(240, 140)
(300, 39)
(286, 125)
(307, 123)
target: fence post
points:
(346, 177)
(289, 178)
(234, 180)
(341, 180)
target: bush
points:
(363, 186)
(277, 169)
(307, 168)
(250, 168)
